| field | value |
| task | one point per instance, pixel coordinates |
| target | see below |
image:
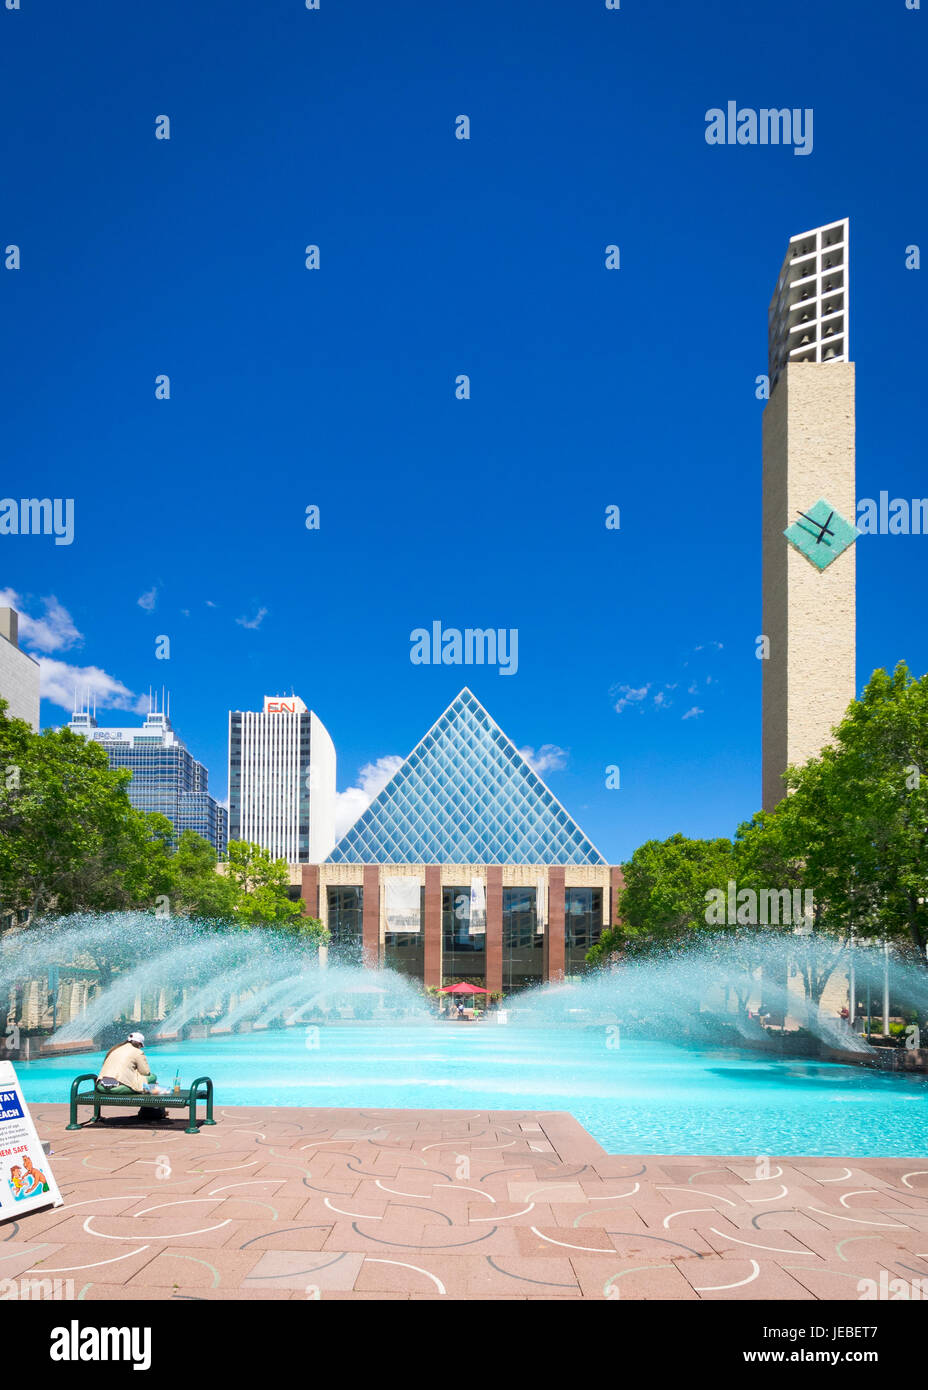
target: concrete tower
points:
(809, 491)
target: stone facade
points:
(19, 673)
(313, 880)
(809, 678)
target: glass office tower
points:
(165, 776)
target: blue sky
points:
(440, 257)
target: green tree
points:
(197, 889)
(310, 931)
(262, 884)
(664, 899)
(65, 823)
(857, 815)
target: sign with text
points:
(26, 1180)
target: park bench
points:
(139, 1099)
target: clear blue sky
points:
(441, 257)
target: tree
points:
(197, 889)
(310, 931)
(664, 899)
(857, 815)
(65, 820)
(262, 884)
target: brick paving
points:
(407, 1204)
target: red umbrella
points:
(462, 988)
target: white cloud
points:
(549, 758)
(628, 695)
(210, 604)
(55, 631)
(372, 779)
(58, 681)
(256, 621)
(693, 713)
(148, 600)
(661, 701)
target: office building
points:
(19, 673)
(282, 780)
(165, 777)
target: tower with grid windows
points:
(809, 506)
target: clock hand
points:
(823, 527)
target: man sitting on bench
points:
(125, 1070)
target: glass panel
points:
(523, 943)
(466, 796)
(345, 913)
(583, 925)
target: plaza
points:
(297, 1204)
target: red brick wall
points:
(616, 884)
(554, 940)
(309, 890)
(494, 980)
(370, 922)
(433, 925)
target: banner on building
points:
(478, 907)
(26, 1181)
(402, 903)
(541, 904)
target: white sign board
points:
(26, 1181)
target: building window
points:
(345, 907)
(523, 942)
(583, 924)
(462, 955)
(404, 951)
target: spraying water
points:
(168, 973)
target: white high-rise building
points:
(282, 780)
(19, 672)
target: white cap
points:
(136, 1038)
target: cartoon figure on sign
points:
(34, 1180)
(16, 1182)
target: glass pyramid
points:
(465, 795)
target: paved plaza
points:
(394, 1204)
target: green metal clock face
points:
(821, 534)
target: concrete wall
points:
(19, 683)
(809, 678)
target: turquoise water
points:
(640, 1097)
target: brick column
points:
(433, 925)
(370, 922)
(309, 890)
(616, 884)
(494, 979)
(554, 940)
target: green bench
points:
(138, 1099)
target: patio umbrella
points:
(462, 988)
